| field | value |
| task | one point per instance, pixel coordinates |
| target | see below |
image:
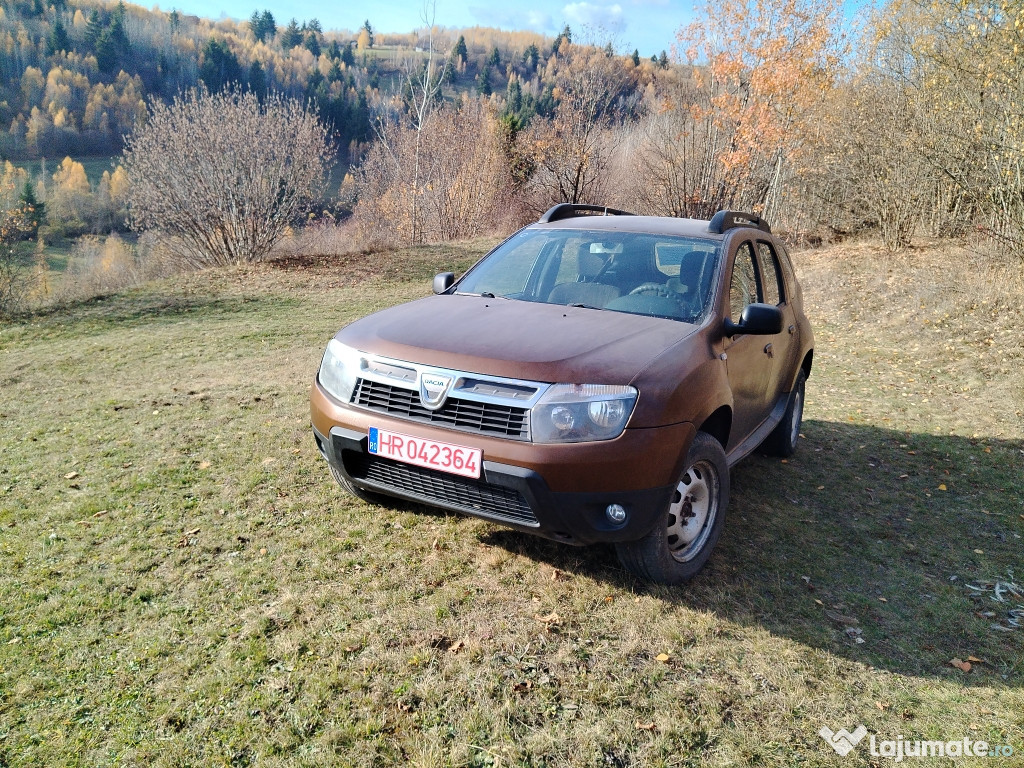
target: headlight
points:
(575, 413)
(339, 370)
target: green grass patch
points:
(183, 584)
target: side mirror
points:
(445, 280)
(756, 319)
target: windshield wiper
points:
(585, 306)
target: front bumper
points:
(556, 491)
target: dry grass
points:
(198, 592)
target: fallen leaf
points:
(557, 575)
(979, 551)
(818, 601)
(882, 600)
(963, 666)
(881, 707)
(70, 475)
(608, 599)
(524, 685)
(552, 619)
(975, 660)
(662, 657)
(263, 550)
(644, 726)
(193, 532)
(352, 648)
(435, 545)
(942, 486)
(457, 646)
(101, 513)
(840, 618)
(204, 465)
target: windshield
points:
(641, 274)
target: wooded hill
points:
(75, 75)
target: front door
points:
(750, 359)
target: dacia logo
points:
(433, 389)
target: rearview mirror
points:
(445, 280)
(756, 319)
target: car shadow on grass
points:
(878, 545)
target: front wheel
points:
(688, 528)
(354, 490)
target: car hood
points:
(517, 339)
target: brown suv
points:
(590, 379)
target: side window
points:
(743, 287)
(771, 284)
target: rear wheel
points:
(783, 439)
(688, 528)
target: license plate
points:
(432, 454)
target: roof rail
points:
(571, 210)
(725, 220)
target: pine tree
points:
(291, 35)
(346, 56)
(34, 209)
(459, 51)
(663, 60)
(494, 60)
(369, 32)
(58, 39)
(93, 28)
(219, 67)
(268, 26)
(636, 57)
(257, 80)
(312, 44)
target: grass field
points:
(183, 584)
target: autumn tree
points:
(961, 63)
(222, 175)
(762, 67)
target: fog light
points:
(616, 513)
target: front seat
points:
(584, 291)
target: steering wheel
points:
(658, 289)
(653, 289)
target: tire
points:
(352, 490)
(784, 438)
(678, 546)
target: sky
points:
(647, 25)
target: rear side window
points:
(772, 290)
(743, 286)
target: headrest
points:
(590, 264)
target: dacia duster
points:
(591, 379)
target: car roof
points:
(653, 225)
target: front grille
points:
(467, 415)
(474, 497)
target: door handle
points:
(791, 329)
(769, 350)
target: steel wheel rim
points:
(798, 414)
(692, 511)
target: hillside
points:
(75, 76)
(183, 584)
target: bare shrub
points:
(15, 278)
(222, 176)
(452, 165)
(571, 154)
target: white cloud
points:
(511, 18)
(607, 17)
